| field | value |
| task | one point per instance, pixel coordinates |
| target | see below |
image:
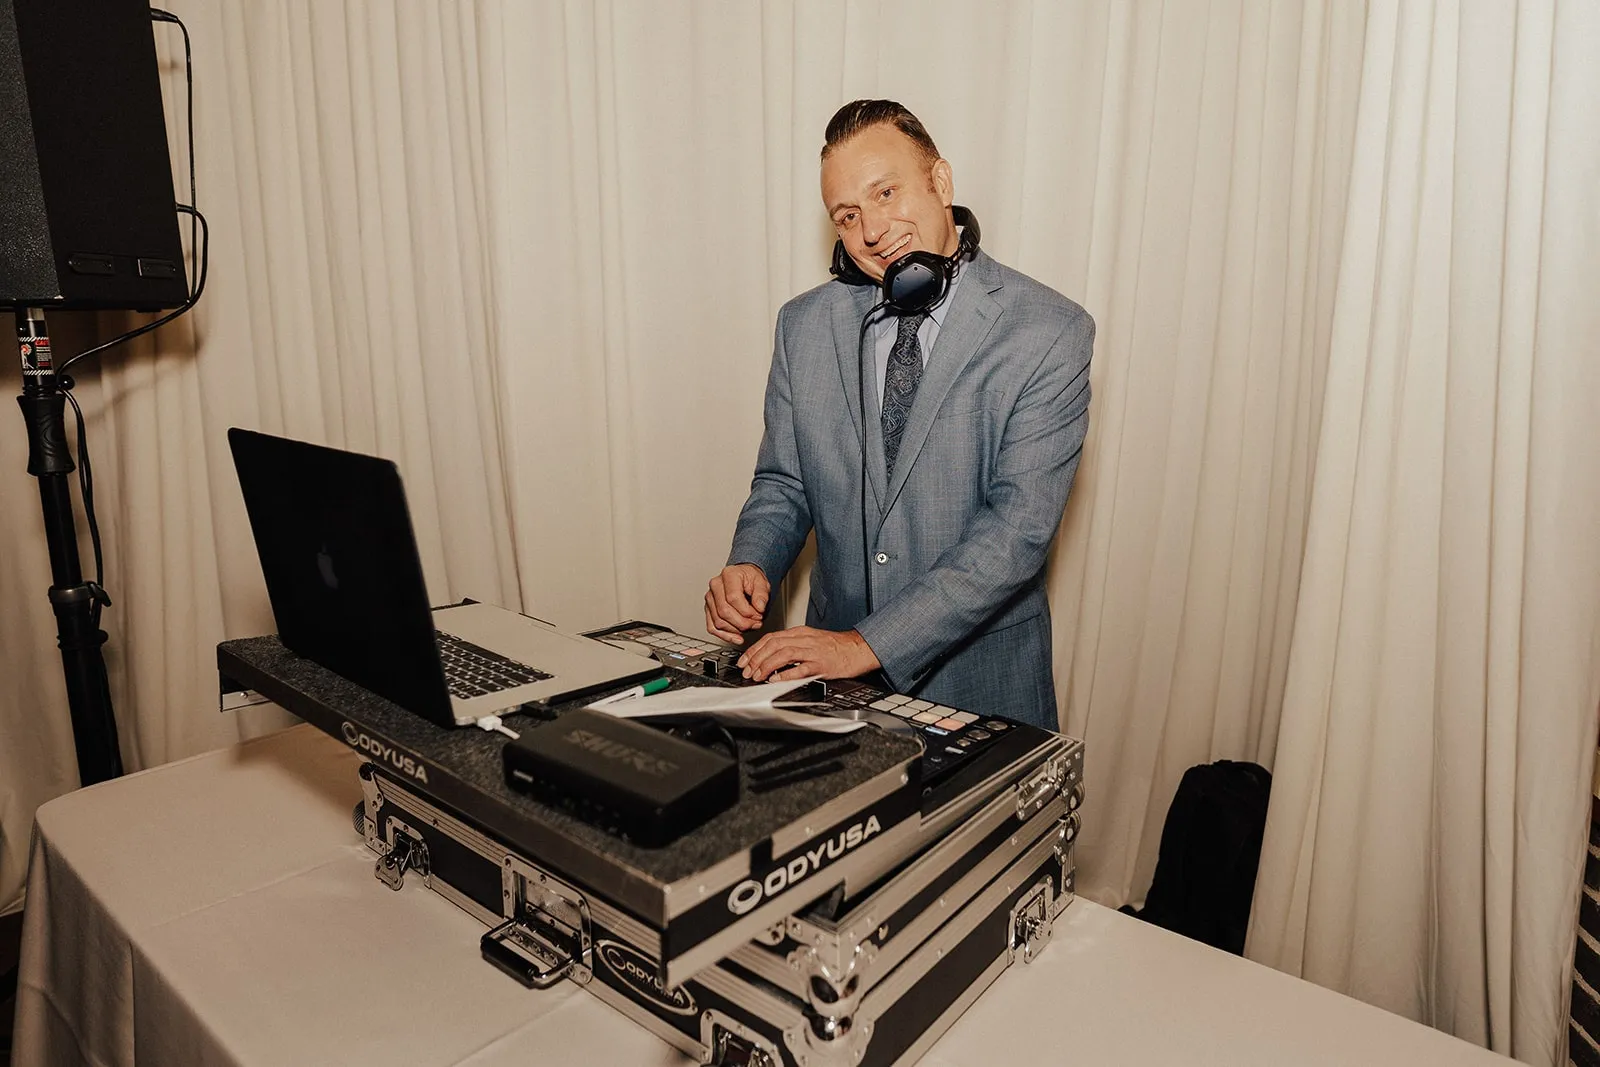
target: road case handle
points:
(548, 935)
(519, 952)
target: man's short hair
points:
(860, 114)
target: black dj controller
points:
(951, 737)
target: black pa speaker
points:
(86, 202)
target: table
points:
(221, 910)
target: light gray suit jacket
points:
(960, 533)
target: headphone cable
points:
(866, 379)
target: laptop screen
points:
(341, 566)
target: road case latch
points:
(1037, 791)
(407, 852)
(726, 1042)
(1031, 923)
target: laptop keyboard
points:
(472, 671)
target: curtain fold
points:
(1337, 468)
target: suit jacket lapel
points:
(854, 376)
(971, 317)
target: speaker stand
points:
(76, 602)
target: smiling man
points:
(975, 415)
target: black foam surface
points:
(472, 757)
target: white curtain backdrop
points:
(1425, 842)
(533, 252)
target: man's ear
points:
(944, 182)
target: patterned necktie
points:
(900, 381)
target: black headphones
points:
(917, 280)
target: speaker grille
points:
(26, 263)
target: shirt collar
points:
(938, 312)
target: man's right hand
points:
(736, 601)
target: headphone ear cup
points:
(970, 234)
(916, 282)
(844, 268)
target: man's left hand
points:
(802, 652)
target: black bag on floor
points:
(1210, 849)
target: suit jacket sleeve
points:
(1004, 544)
(776, 518)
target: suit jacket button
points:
(883, 557)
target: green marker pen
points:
(654, 685)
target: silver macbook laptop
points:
(340, 560)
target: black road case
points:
(792, 926)
(873, 980)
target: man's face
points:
(885, 200)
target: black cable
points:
(866, 379)
(158, 15)
(811, 750)
(85, 471)
(820, 770)
(726, 737)
(194, 297)
(99, 597)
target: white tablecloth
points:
(221, 910)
